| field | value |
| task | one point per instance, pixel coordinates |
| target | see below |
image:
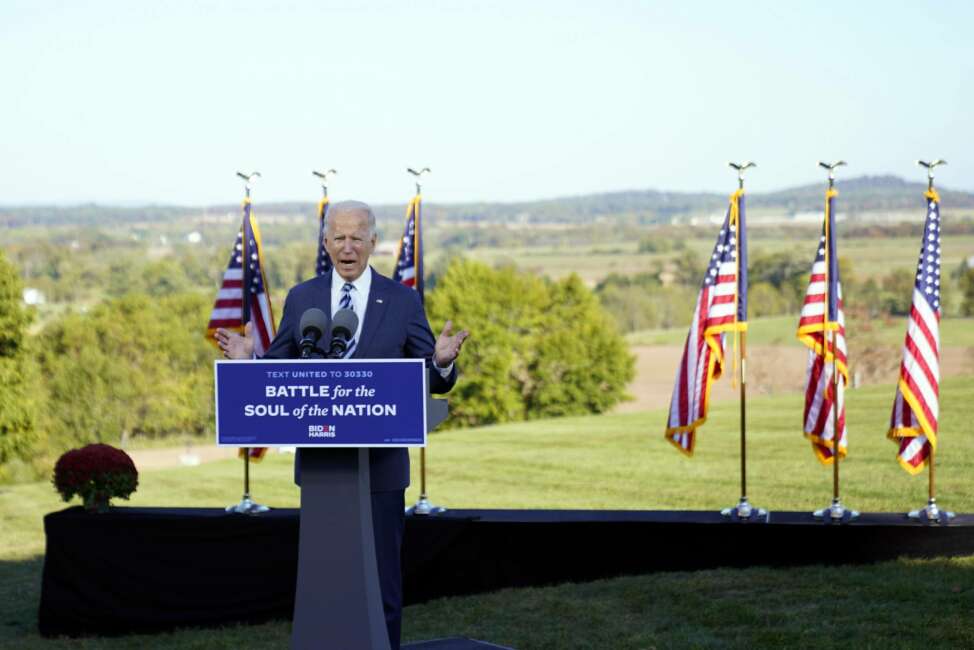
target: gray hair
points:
(354, 206)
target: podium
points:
(338, 597)
(357, 404)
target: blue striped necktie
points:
(345, 302)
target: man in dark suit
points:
(392, 325)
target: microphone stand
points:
(337, 348)
(311, 351)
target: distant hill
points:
(861, 194)
(857, 195)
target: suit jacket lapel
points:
(378, 301)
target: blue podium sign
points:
(321, 403)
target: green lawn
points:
(618, 461)
(622, 461)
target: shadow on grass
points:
(20, 593)
(737, 608)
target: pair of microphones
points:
(314, 324)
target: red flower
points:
(95, 472)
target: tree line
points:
(665, 296)
(117, 352)
(647, 206)
(136, 363)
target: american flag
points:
(913, 424)
(323, 265)
(721, 308)
(245, 276)
(409, 259)
(822, 329)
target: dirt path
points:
(777, 368)
(186, 455)
(770, 369)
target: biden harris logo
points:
(321, 430)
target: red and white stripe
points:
(260, 314)
(820, 402)
(916, 408)
(703, 356)
(408, 276)
(227, 309)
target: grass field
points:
(619, 462)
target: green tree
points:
(631, 300)
(897, 295)
(675, 305)
(17, 373)
(966, 286)
(641, 301)
(763, 299)
(785, 271)
(133, 366)
(581, 363)
(632, 307)
(537, 348)
(689, 269)
(656, 244)
(164, 277)
(868, 299)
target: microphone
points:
(343, 327)
(312, 327)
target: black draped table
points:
(152, 569)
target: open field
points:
(777, 330)
(869, 256)
(777, 360)
(613, 461)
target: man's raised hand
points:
(234, 345)
(448, 345)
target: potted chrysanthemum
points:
(96, 473)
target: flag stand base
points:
(836, 513)
(247, 507)
(931, 514)
(743, 511)
(424, 507)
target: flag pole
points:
(423, 506)
(931, 513)
(247, 506)
(743, 509)
(323, 177)
(836, 511)
(323, 263)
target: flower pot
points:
(96, 503)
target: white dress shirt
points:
(360, 302)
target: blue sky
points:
(121, 102)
